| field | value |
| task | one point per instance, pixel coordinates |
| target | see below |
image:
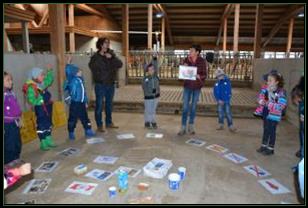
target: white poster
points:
(188, 72)
(154, 136)
(273, 186)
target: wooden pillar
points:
(150, 23)
(163, 29)
(258, 31)
(290, 33)
(236, 28)
(57, 40)
(125, 27)
(71, 23)
(224, 47)
(6, 47)
(25, 36)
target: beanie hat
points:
(35, 72)
(219, 72)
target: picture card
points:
(217, 148)
(196, 142)
(47, 166)
(236, 158)
(273, 186)
(132, 172)
(257, 171)
(100, 175)
(105, 159)
(125, 136)
(37, 186)
(81, 188)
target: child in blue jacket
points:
(223, 94)
(77, 99)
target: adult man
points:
(104, 66)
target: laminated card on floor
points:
(125, 136)
(273, 186)
(196, 142)
(257, 171)
(47, 166)
(236, 158)
(105, 159)
(81, 188)
(37, 186)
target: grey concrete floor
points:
(211, 179)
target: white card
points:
(257, 171)
(47, 166)
(95, 140)
(126, 136)
(235, 158)
(196, 142)
(105, 159)
(37, 186)
(101, 175)
(81, 188)
(217, 148)
(187, 72)
(273, 186)
(132, 172)
(154, 135)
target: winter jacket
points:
(74, 85)
(201, 65)
(275, 105)
(223, 90)
(104, 70)
(34, 91)
(150, 86)
(12, 111)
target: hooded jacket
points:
(222, 90)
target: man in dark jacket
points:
(104, 66)
(192, 88)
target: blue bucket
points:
(174, 181)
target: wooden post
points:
(163, 29)
(224, 48)
(290, 33)
(57, 40)
(71, 23)
(258, 31)
(25, 36)
(6, 47)
(150, 18)
(125, 27)
(236, 28)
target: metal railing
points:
(238, 67)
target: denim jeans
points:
(193, 96)
(222, 110)
(103, 92)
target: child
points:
(263, 95)
(272, 112)
(35, 89)
(223, 93)
(151, 90)
(12, 113)
(74, 86)
(298, 99)
(12, 175)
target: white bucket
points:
(174, 181)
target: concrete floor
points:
(211, 179)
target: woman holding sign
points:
(194, 73)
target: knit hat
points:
(35, 72)
(273, 71)
(219, 72)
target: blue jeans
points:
(78, 110)
(193, 96)
(12, 142)
(103, 92)
(222, 109)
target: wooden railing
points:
(238, 68)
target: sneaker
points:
(261, 149)
(100, 129)
(112, 126)
(232, 129)
(71, 135)
(89, 133)
(182, 131)
(220, 128)
(268, 151)
(191, 129)
(154, 125)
